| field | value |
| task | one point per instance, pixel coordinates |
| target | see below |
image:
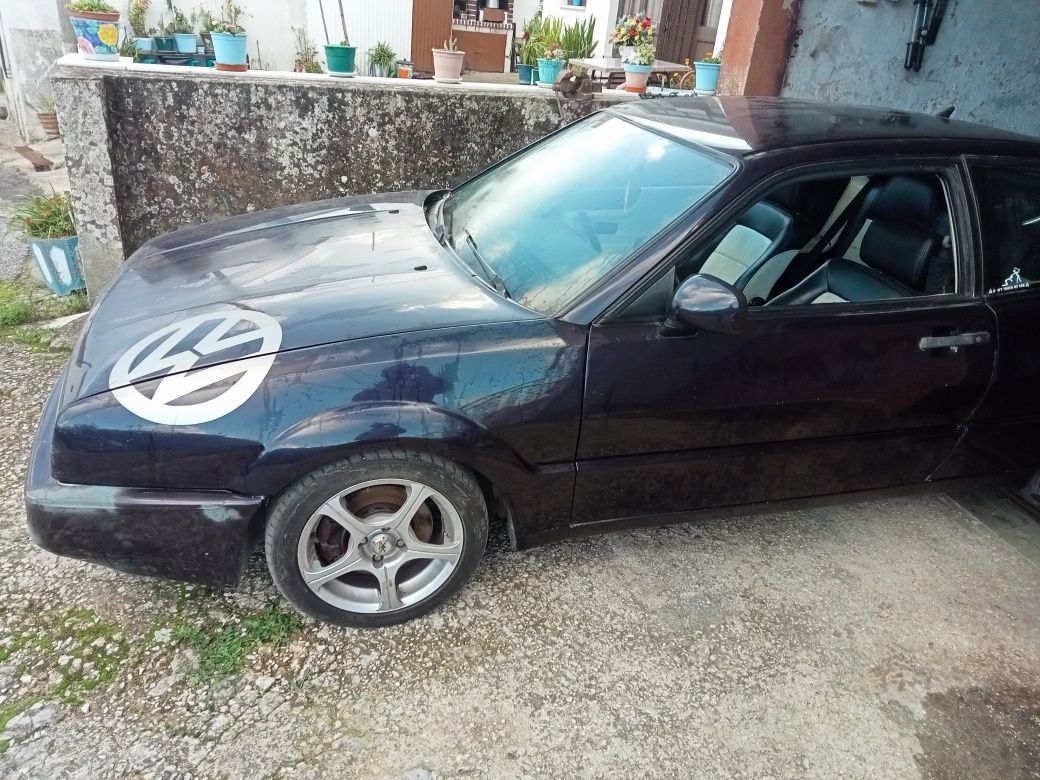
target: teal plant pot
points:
(97, 35)
(548, 70)
(58, 262)
(230, 49)
(707, 76)
(340, 59)
(525, 73)
(144, 44)
(186, 42)
(165, 43)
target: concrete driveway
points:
(879, 640)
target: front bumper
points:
(200, 536)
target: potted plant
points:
(164, 40)
(47, 221)
(630, 32)
(381, 60)
(229, 39)
(528, 49)
(708, 73)
(48, 118)
(183, 28)
(135, 17)
(447, 62)
(207, 24)
(96, 24)
(551, 63)
(639, 67)
(341, 57)
(306, 59)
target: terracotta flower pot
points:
(447, 66)
(49, 123)
(636, 77)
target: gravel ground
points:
(883, 640)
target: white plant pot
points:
(447, 66)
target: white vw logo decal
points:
(156, 356)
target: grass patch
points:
(223, 653)
(86, 651)
(23, 303)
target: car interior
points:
(846, 239)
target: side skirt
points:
(769, 507)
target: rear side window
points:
(1009, 201)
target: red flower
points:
(646, 22)
(632, 33)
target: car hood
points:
(305, 275)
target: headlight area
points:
(191, 534)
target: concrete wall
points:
(154, 148)
(986, 60)
(34, 35)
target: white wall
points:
(605, 12)
(368, 22)
(269, 23)
(31, 33)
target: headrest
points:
(766, 218)
(913, 199)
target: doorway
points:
(685, 28)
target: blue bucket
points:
(707, 76)
(548, 70)
(230, 49)
(525, 73)
(58, 263)
(186, 42)
(144, 44)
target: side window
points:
(838, 239)
(1009, 202)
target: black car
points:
(670, 309)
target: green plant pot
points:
(340, 59)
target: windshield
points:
(554, 220)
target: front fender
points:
(538, 498)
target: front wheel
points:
(376, 539)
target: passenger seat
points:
(760, 232)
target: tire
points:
(376, 539)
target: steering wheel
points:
(590, 230)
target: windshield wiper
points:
(489, 272)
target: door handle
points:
(954, 341)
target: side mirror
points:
(703, 302)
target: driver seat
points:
(896, 250)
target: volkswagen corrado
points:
(670, 309)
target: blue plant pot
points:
(525, 73)
(707, 76)
(144, 44)
(230, 49)
(548, 70)
(59, 263)
(97, 38)
(186, 42)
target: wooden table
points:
(605, 67)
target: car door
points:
(1004, 434)
(806, 401)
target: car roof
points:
(743, 126)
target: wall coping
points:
(73, 66)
